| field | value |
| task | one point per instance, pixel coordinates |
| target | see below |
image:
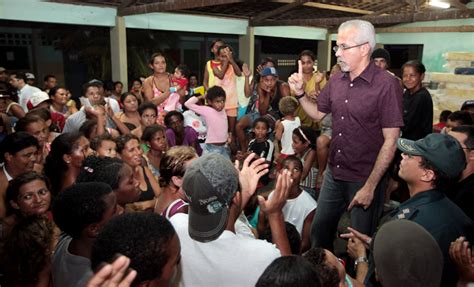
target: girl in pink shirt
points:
(216, 120)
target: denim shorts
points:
(220, 149)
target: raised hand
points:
(249, 175)
(296, 81)
(113, 275)
(245, 70)
(275, 203)
(460, 252)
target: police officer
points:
(429, 166)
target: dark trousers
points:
(334, 199)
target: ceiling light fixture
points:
(439, 4)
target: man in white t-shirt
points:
(18, 81)
(212, 254)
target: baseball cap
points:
(269, 71)
(406, 254)
(30, 76)
(2, 69)
(210, 184)
(467, 104)
(442, 150)
(36, 99)
(381, 53)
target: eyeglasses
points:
(344, 47)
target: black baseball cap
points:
(442, 150)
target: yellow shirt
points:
(310, 86)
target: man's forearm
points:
(384, 158)
(311, 108)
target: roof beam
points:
(458, 4)
(338, 8)
(437, 29)
(278, 10)
(127, 3)
(172, 5)
(376, 20)
(329, 7)
(389, 9)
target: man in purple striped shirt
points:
(366, 106)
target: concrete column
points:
(324, 54)
(118, 51)
(247, 48)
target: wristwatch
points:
(360, 260)
(298, 97)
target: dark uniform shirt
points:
(443, 219)
(360, 109)
(463, 195)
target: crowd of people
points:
(240, 181)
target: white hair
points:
(365, 32)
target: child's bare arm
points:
(220, 73)
(308, 163)
(279, 129)
(205, 81)
(246, 73)
(237, 70)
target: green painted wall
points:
(434, 45)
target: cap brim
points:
(208, 227)
(408, 147)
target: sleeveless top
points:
(310, 180)
(229, 84)
(147, 194)
(209, 66)
(273, 109)
(160, 109)
(287, 136)
(173, 208)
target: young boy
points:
(104, 146)
(300, 207)
(148, 239)
(216, 120)
(261, 145)
(147, 112)
(284, 127)
(79, 211)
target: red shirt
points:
(360, 109)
